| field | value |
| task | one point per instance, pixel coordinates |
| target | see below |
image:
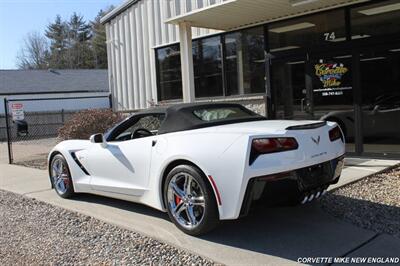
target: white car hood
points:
(74, 144)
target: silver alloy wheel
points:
(186, 200)
(59, 174)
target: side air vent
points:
(79, 163)
(307, 126)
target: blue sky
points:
(19, 17)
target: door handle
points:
(153, 143)
(302, 104)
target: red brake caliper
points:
(177, 200)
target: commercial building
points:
(45, 99)
(337, 60)
(68, 89)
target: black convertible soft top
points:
(182, 117)
(189, 116)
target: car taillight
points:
(335, 134)
(269, 145)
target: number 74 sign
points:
(329, 36)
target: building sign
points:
(332, 77)
(17, 111)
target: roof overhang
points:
(234, 14)
(118, 10)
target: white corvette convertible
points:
(202, 162)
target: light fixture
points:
(284, 48)
(295, 63)
(395, 50)
(380, 9)
(293, 27)
(343, 56)
(373, 58)
(301, 2)
(354, 37)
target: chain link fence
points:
(29, 127)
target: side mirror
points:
(98, 138)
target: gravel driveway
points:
(372, 203)
(33, 232)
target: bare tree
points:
(34, 52)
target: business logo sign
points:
(330, 74)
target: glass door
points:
(317, 87)
(311, 88)
(332, 92)
(290, 92)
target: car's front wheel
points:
(61, 177)
(190, 200)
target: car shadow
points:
(121, 204)
(286, 232)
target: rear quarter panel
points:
(210, 151)
(225, 157)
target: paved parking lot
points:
(267, 236)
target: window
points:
(244, 62)
(380, 90)
(207, 65)
(169, 73)
(323, 28)
(129, 130)
(221, 113)
(377, 19)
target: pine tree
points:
(79, 35)
(57, 33)
(99, 39)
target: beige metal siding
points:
(131, 36)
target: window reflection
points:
(169, 73)
(245, 63)
(207, 67)
(323, 28)
(376, 19)
(380, 85)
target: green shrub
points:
(83, 124)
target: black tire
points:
(210, 215)
(67, 180)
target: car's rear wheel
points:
(61, 177)
(190, 200)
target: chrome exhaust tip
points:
(304, 200)
(311, 197)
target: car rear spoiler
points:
(307, 126)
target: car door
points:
(122, 165)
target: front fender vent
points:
(307, 126)
(79, 163)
